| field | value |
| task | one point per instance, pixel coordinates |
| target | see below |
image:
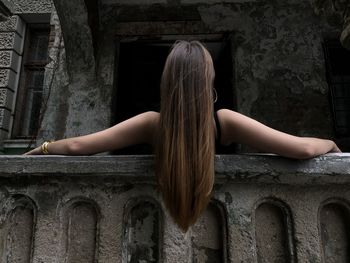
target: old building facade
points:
(275, 62)
(69, 68)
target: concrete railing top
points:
(326, 169)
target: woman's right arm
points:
(136, 130)
(237, 128)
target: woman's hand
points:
(335, 149)
(36, 151)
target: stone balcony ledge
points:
(254, 168)
(108, 209)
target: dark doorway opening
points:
(140, 67)
(338, 77)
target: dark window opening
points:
(338, 76)
(30, 91)
(140, 68)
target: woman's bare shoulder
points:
(152, 118)
(226, 118)
(223, 113)
(151, 115)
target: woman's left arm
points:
(136, 130)
(242, 129)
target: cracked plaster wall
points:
(279, 69)
(107, 208)
(279, 64)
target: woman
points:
(185, 132)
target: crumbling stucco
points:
(265, 208)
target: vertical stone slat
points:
(111, 238)
(241, 237)
(20, 236)
(82, 233)
(271, 234)
(208, 237)
(177, 244)
(142, 233)
(307, 237)
(47, 225)
(334, 224)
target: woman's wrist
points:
(45, 147)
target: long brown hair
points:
(185, 149)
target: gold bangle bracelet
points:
(44, 147)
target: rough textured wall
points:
(79, 93)
(56, 87)
(108, 209)
(279, 71)
(32, 6)
(279, 67)
(339, 11)
(279, 62)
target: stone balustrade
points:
(108, 209)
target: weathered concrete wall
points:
(278, 64)
(56, 87)
(79, 94)
(265, 208)
(73, 104)
(279, 69)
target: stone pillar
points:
(78, 101)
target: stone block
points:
(8, 79)
(5, 59)
(11, 40)
(6, 97)
(9, 24)
(5, 116)
(14, 23)
(10, 59)
(30, 6)
(20, 27)
(6, 9)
